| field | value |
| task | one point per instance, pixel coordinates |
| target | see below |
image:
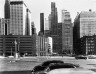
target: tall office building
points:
(84, 25)
(28, 23)
(46, 25)
(33, 28)
(59, 38)
(2, 26)
(42, 22)
(18, 17)
(54, 19)
(49, 21)
(47, 31)
(7, 9)
(67, 36)
(7, 15)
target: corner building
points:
(84, 25)
(18, 12)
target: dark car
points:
(44, 65)
(81, 57)
(37, 68)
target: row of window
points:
(42, 54)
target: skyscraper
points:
(54, 19)
(49, 21)
(42, 22)
(7, 9)
(84, 25)
(67, 36)
(7, 15)
(46, 25)
(33, 28)
(18, 17)
(28, 23)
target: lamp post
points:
(15, 42)
(18, 48)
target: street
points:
(24, 65)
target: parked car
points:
(37, 69)
(44, 65)
(91, 56)
(52, 64)
(81, 57)
(48, 62)
(10, 56)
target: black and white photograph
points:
(47, 36)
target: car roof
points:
(46, 63)
(53, 61)
(65, 65)
(71, 71)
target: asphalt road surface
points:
(25, 65)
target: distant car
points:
(56, 66)
(10, 56)
(91, 56)
(70, 71)
(81, 57)
(44, 65)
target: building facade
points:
(46, 25)
(84, 25)
(18, 12)
(42, 23)
(59, 38)
(2, 26)
(67, 33)
(42, 46)
(33, 29)
(24, 45)
(7, 16)
(88, 45)
(28, 23)
(54, 19)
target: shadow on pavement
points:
(16, 72)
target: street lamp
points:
(15, 42)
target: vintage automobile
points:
(81, 57)
(44, 65)
(52, 66)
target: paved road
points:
(25, 65)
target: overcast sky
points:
(38, 6)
